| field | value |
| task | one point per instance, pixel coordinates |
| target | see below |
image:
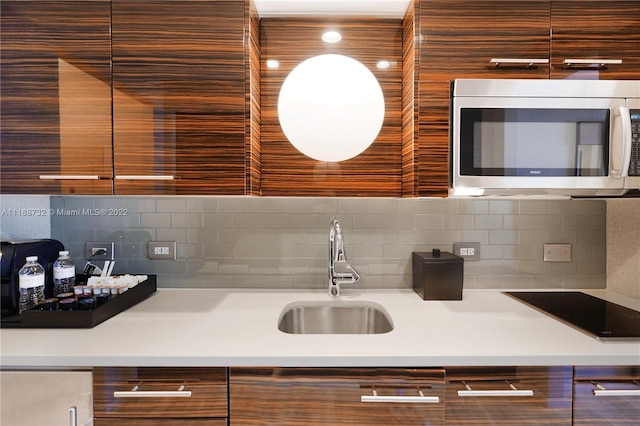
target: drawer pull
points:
(602, 391)
(135, 393)
(418, 399)
(69, 177)
(512, 391)
(600, 63)
(518, 62)
(145, 177)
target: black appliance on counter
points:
(13, 256)
(599, 318)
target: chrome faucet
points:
(340, 271)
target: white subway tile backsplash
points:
(186, 220)
(382, 205)
(281, 242)
(155, 220)
(171, 205)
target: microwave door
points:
(526, 146)
(632, 179)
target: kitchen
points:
(279, 242)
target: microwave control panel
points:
(634, 164)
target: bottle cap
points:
(64, 253)
(32, 258)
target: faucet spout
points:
(340, 271)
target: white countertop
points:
(229, 327)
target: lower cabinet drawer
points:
(508, 395)
(159, 422)
(606, 395)
(162, 393)
(336, 396)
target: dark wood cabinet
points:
(146, 396)
(507, 39)
(179, 96)
(56, 97)
(336, 396)
(508, 395)
(288, 396)
(606, 395)
(285, 171)
(598, 34)
(459, 39)
(462, 39)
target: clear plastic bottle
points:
(64, 274)
(31, 282)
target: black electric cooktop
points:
(606, 321)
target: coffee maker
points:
(13, 256)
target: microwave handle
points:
(621, 142)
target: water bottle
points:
(31, 283)
(64, 274)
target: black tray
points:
(84, 319)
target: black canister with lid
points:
(438, 275)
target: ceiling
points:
(377, 8)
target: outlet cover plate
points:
(557, 252)
(162, 250)
(90, 248)
(467, 250)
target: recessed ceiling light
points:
(331, 37)
(383, 64)
(272, 63)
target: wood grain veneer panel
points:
(377, 171)
(410, 104)
(56, 99)
(208, 387)
(179, 72)
(331, 396)
(160, 422)
(591, 410)
(456, 40)
(587, 29)
(549, 405)
(253, 155)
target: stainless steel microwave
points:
(545, 137)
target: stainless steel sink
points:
(334, 317)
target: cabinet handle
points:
(73, 416)
(70, 177)
(421, 399)
(601, 63)
(527, 63)
(512, 391)
(145, 177)
(602, 391)
(135, 393)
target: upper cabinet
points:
(178, 96)
(505, 39)
(175, 96)
(464, 39)
(56, 97)
(488, 39)
(291, 41)
(595, 39)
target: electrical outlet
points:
(162, 249)
(469, 251)
(91, 248)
